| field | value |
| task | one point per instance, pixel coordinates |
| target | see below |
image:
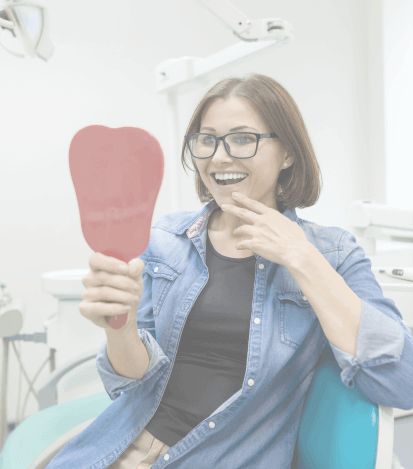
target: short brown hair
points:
(298, 185)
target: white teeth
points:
(230, 176)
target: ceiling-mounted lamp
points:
(24, 28)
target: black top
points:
(211, 359)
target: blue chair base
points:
(339, 425)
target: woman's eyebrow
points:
(232, 130)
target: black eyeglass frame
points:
(217, 139)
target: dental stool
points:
(340, 428)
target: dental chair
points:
(340, 427)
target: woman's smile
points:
(226, 184)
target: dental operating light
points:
(24, 28)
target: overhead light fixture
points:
(24, 28)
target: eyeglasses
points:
(237, 144)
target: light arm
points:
(245, 28)
(229, 15)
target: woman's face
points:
(238, 115)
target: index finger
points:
(136, 267)
(99, 261)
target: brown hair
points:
(300, 184)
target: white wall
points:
(398, 92)
(102, 73)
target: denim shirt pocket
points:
(163, 277)
(295, 318)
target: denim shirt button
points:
(251, 382)
(257, 320)
(261, 266)
(156, 269)
(212, 424)
(166, 457)
(304, 298)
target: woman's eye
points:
(242, 140)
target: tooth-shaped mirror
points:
(117, 175)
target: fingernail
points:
(223, 207)
(123, 268)
(235, 194)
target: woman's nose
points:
(222, 149)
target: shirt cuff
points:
(115, 384)
(380, 340)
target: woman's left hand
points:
(271, 235)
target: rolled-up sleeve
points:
(115, 384)
(383, 366)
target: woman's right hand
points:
(109, 292)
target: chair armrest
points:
(42, 459)
(47, 391)
(385, 438)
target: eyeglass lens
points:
(241, 145)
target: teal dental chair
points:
(340, 427)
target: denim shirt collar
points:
(194, 226)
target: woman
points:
(239, 301)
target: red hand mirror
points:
(117, 175)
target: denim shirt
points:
(258, 425)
